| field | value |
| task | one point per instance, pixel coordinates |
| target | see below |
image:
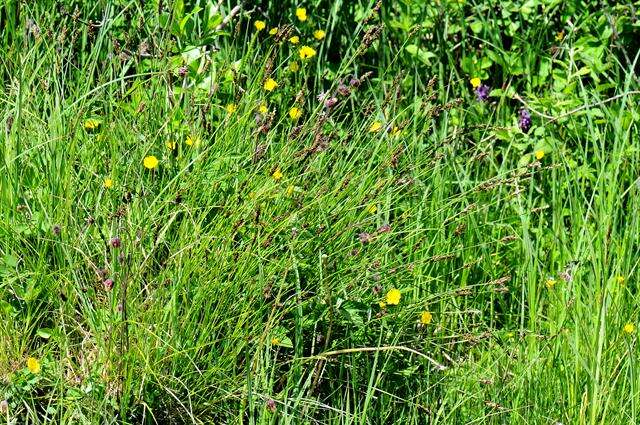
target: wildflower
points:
(382, 304)
(393, 296)
(524, 120)
(475, 82)
(115, 242)
(4, 406)
(559, 35)
(295, 113)
(270, 84)
(91, 124)
(290, 190)
(108, 284)
(385, 228)
(330, 102)
(372, 209)
(33, 365)
(231, 108)
(260, 25)
(294, 66)
(620, 280)
(319, 34)
(375, 127)
(275, 341)
(277, 175)
(150, 162)
(629, 328)
(294, 40)
(354, 82)
(395, 130)
(271, 405)
(182, 71)
(539, 154)
(171, 145)
(307, 52)
(56, 229)
(192, 141)
(425, 317)
(343, 90)
(550, 283)
(273, 31)
(263, 109)
(301, 13)
(482, 92)
(108, 183)
(365, 238)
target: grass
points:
(254, 278)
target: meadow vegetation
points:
(319, 212)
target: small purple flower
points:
(56, 230)
(331, 102)
(365, 237)
(482, 92)
(524, 120)
(384, 228)
(354, 82)
(343, 90)
(271, 405)
(115, 242)
(182, 71)
(108, 284)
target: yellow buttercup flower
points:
(290, 190)
(277, 175)
(33, 365)
(375, 127)
(382, 304)
(307, 52)
(91, 124)
(192, 140)
(294, 66)
(171, 145)
(275, 341)
(301, 13)
(108, 183)
(273, 31)
(294, 40)
(372, 209)
(620, 280)
(295, 113)
(425, 317)
(550, 283)
(560, 36)
(263, 108)
(231, 108)
(393, 296)
(319, 34)
(260, 25)
(150, 162)
(539, 154)
(475, 82)
(270, 84)
(629, 328)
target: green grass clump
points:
(214, 212)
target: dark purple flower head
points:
(182, 71)
(56, 230)
(331, 102)
(482, 92)
(108, 284)
(343, 90)
(524, 120)
(271, 405)
(115, 242)
(354, 82)
(365, 237)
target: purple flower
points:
(365, 238)
(182, 71)
(524, 120)
(354, 82)
(343, 90)
(108, 284)
(115, 242)
(331, 102)
(482, 92)
(271, 405)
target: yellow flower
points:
(301, 13)
(425, 318)
(319, 34)
(393, 296)
(382, 304)
(475, 82)
(375, 127)
(273, 31)
(150, 162)
(262, 108)
(277, 175)
(192, 140)
(539, 154)
(290, 190)
(275, 341)
(91, 124)
(559, 35)
(260, 25)
(231, 108)
(108, 183)
(294, 66)
(550, 283)
(295, 113)
(307, 52)
(33, 365)
(629, 328)
(294, 40)
(372, 209)
(620, 280)
(270, 84)
(395, 131)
